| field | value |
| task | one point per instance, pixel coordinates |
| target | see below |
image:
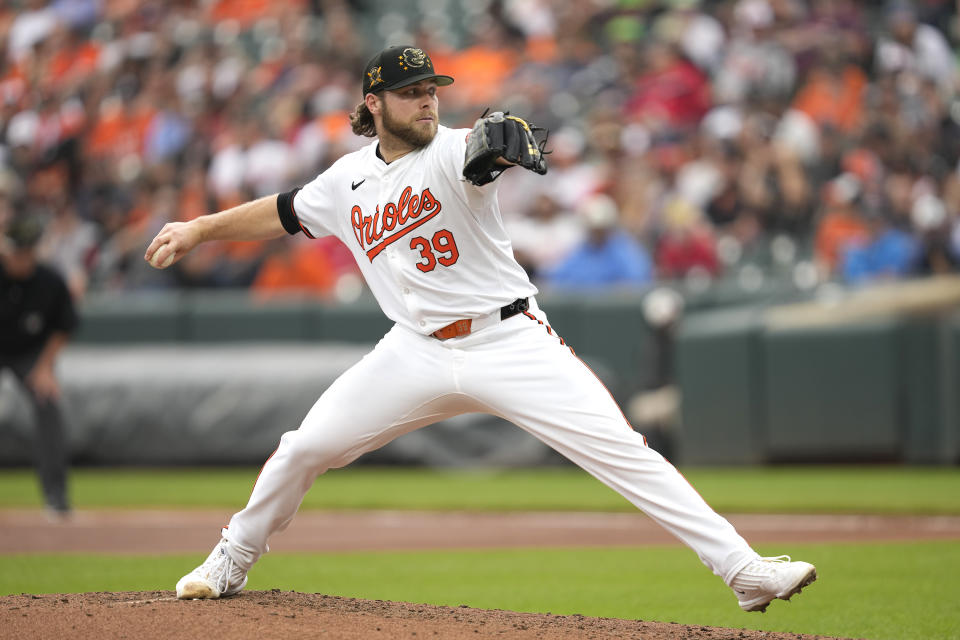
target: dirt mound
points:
(155, 615)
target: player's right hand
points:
(173, 242)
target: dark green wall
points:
(606, 331)
(751, 391)
(883, 389)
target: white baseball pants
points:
(518, 370)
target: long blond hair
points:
(361, 121)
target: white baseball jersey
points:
(430, 245)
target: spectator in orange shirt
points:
(833, 93)
(73, 58)
(121, 128)
(842, 223)
(300, 268)
(483, 66)
(247, 12)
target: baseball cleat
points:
(217, 577)
(766, 579)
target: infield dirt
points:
(156, 615)
(193, 531)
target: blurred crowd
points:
(691, 139)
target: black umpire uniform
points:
(36, 316)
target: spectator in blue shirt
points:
(608, 256)
(889, 253)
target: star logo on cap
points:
(374, 75)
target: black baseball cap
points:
(398, 67)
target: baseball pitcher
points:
(418, 209)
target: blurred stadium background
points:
(749, 229)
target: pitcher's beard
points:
(415, 136)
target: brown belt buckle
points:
(453, 330)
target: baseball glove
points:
(500, 135)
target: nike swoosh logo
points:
(354, 185)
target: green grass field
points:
(874, 591)
(867, 489)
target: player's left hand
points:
(499, 137)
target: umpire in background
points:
(36, 317)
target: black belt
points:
(517, 306)
(463, 327)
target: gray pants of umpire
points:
(50, 451)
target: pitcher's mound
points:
(149, 615)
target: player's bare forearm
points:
(254, 220)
